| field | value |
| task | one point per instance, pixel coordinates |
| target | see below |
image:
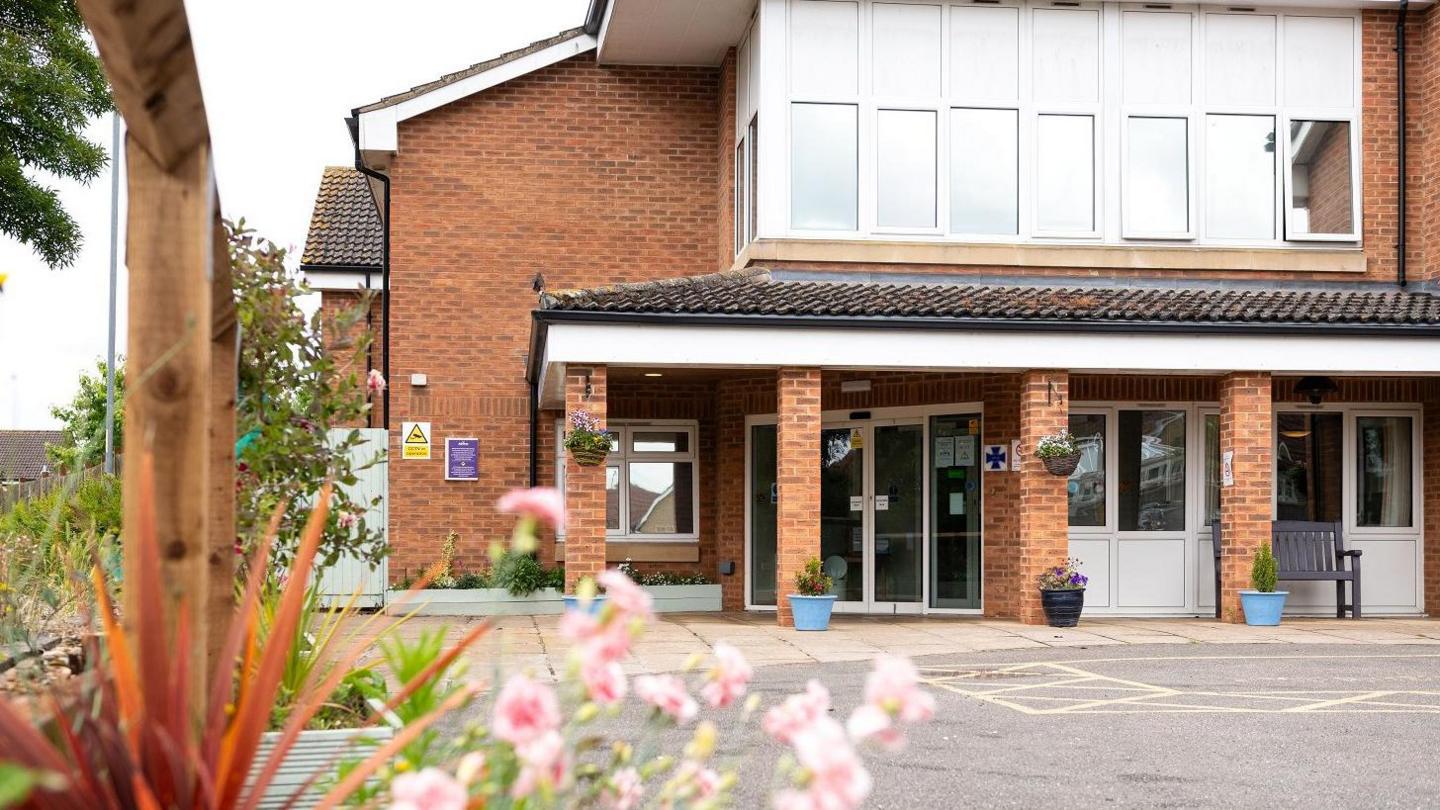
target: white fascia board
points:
(343, 280)
(937, 349)
(378, 127)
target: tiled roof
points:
(478, 67)
(345, 225)
(758, 292)
(22, 453)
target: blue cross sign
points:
(996, 458)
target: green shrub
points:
(812, 580)
(1262, 570)
(474, 579)
(520, 574)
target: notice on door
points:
(965, 451)
(415, 440)
(945, 452)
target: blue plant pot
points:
(592, 606)
(1263, 609)
(812, 612)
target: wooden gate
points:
(340, 580)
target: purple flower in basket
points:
(585, 422)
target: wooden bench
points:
(1307, 550)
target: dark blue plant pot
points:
(1062, 608)
(591, 606)
(812, 612)
(1263, 609)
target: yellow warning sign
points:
(416, 441)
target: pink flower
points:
(579, 626)
(542, 761)
(728, 678)
(375, 381)
(627, 597)
(797, 713)
(894, 687)
(604, 681)
(525, 711)
(429, 789)
(545, 504)
(609, 641)
(703, 783)
(837, 778)
(870, 722)
(347, 520)
(624, 790)
(667, 693)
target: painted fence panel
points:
(339, 581)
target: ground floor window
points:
(651, 486)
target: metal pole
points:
(114, 261)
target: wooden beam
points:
(220, 545)
(149, 59)
(168, 410)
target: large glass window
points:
(650, 481)
(1321, 193)
(824, 185)
(905, 157)
(1240, 176)
(984, 171)
(1384, 484)
(1065, 174)
(1157, 177)
(764, 502)
(1086, 487)
(1151, 473)
(1213, 471)
(1309, 448)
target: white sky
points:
(279, 77)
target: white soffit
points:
(672, 32)
(900, 348)
(343, 280)
(378, 127)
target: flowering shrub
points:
(1058, 445)
(545, 745)
(661, 577)
(1065, 577)
(586, 435)
(812, 579)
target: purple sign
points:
(462, 459)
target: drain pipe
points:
(1400, 139)
(384, 179)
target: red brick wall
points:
(1330, 204)
(1044, 505)
(587, 174)
(341, 344)
(798, 475)
(1246, 507)
(585, 390)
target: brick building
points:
(830, 268)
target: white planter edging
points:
(476, 602)
(685, 598)
(314, 751)
(499, 602)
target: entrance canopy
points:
(762, 318)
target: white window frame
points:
(621, 457)
(1110, 118)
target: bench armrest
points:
(1354, 552)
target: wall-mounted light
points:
(419, 380)
(1316, 388)
(653, 374)
(854, 386)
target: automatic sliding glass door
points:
(842, 513)
(899, 517)
(955, 544)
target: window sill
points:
(1320, 259)
(620, 550)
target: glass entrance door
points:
(955, 528)
(843, 513)
(897, 547)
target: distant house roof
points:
(22, 453)
(762, 293)
(474, 70)
(345, 227)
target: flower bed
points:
(499, 602)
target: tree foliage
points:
(293, 393)
(82, 422)
(51, 85)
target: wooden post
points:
(170, 250)
(220, 546)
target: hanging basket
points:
(589, 456)
(1062, 465)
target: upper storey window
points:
(1076, 122)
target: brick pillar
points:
(1430, 475)
(1001, 556)
(584, 486)
(1044, 510)
(1246, 508)
(798, 468)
